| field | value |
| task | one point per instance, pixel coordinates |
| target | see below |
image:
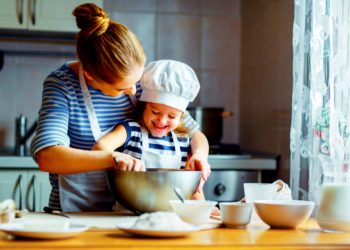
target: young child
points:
(158, 137)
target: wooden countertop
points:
(255, 236)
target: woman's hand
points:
(199, 161)
(128, 163)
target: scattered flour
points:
(162, 221)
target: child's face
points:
(160, 119)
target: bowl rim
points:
(235, 203)
(194, 202)
(168, 170)
(284, 202)
(154, 170)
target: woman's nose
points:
(131, 90)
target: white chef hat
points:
(169, 82)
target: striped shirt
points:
(63, 118)
(159, 145)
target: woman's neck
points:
(75, 67)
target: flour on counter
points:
(162, 221)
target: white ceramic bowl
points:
(193, 211)
(235, 214)
(284, 213)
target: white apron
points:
(154, 160)
(88, 191)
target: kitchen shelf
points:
(37, 53)
(11, 34)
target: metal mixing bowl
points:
(150, 191)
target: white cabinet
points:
(29, 188)
(40, 15)
(12, 14)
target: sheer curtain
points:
(320, 126)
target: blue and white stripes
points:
(161, 146)
(63, 118)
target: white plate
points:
(16, 229)
(157, 233)
(127, 228)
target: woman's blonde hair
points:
(107, 50)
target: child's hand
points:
(198, 195)
(215, 212)
(128, 163)
(199, 162)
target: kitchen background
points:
(240, 49)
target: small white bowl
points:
(193, 211)
(235, 214)
(284, 213)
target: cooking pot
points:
(210, 121)
(150, 191)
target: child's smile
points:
(160, 119)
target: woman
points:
(82, 101)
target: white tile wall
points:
(221, 7)
(203, 33)
(178, 38)
(180, 6)
(145, 32)
(220, 43)
(130, 5)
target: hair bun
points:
(91, 19)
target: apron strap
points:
(95, 127)
(145, 143)
(176, 143)
(133, 100)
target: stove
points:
(231, 167)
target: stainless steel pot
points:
(150, 191)
(210, 121)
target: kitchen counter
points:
(17, 162)
(238, 162)
(256, 236)
(241, 162)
